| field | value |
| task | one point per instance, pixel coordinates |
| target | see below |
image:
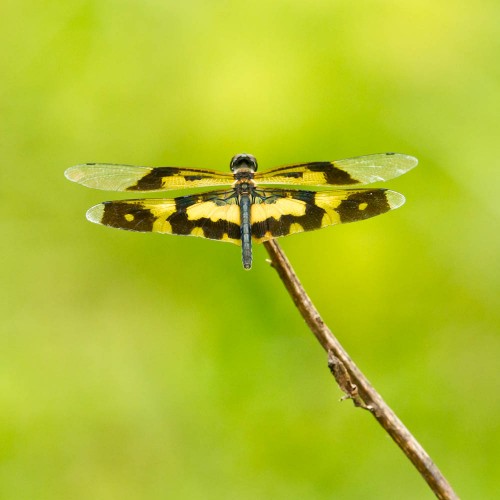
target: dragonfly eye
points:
(243, 160)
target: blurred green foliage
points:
(146, 366)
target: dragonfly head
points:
(243, 160)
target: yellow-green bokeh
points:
(145, 366)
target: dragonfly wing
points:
(350, 172)
(212, 215)
(284, 212)
(112, 177)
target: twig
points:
(352, 381)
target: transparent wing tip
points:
(74, 173)
(407, 162)
(95, 213)
(394, 199)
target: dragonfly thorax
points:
(244, 187)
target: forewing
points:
(112, 177)
(212, 215)
(349, 172)
(282, 212)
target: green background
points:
(146, 366)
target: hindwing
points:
(283, 212)
(213, 215)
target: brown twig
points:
(352, 381)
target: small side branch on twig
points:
(344, 381)
(353, 382)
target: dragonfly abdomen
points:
(246, 231)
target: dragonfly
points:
(247, 210)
